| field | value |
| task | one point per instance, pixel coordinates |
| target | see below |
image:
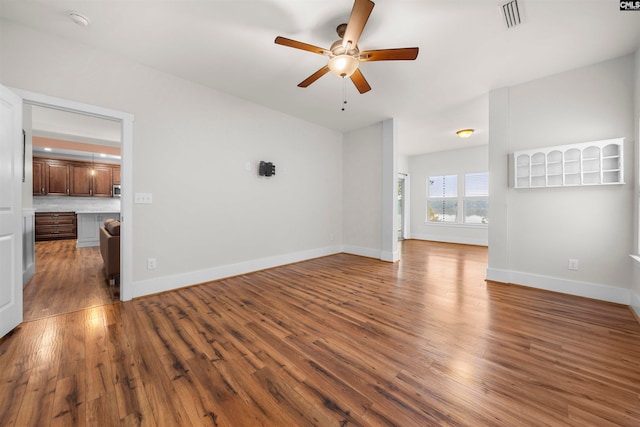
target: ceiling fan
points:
(344, 54)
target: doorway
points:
(69, 272)
(402, 222)
(125, 121)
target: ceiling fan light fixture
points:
(343, 65)
(465, 133)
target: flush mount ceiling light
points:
(79, 19)
(465, 133)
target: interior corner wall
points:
(197, 151)
(635, 288)
(466, 160)
(540, 229)
(362, 191)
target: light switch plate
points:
(143, 198)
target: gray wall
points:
(534, 232)
(467, 160)
(191, 147)
(362, 194)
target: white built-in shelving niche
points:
(589, 163)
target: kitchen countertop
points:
(79, 205)
(78, 212)
(97, 212)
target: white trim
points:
(167, 283)
(406, 205)
(28, 245)
(126, 216)
(582, 289)
(483, 241)
(389, 189)
(390, 256)
(360, 251)
(635, 303)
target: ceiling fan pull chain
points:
(344, 93)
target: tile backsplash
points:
(75, 204)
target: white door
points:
(11, 167)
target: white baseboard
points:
(366, 252)
(28, 274)
(635, 303)
(167, 283)
(390, 256)
(87, 244)
(451, 239)
(571, 287)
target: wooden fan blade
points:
(361, 83)
(407, 53)
(359, 16)
(313, 77)
(300, 45)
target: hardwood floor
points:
(67, 279)
(336, 341)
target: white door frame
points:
(405, 205)
(126, 121)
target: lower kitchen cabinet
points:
(55, 225)
(89, 227)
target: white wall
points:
(210, 217)
(468, 160)
(402, 164)
(635, 288)
(362, 191)
(536, 231)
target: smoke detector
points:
(79, 19)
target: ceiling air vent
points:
(511, 13)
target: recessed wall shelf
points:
(588, 163)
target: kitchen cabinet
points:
(80, 179)
(39, 177)
(55, 225)
(89, 224)
(58, 177)
(102, 182)
(116, 175)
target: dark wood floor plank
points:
(334, 341)
(66, 279)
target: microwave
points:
(116, 192)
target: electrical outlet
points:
(151, 263)
(573, 264)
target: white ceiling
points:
(465, 51)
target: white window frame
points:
(460, 197)
(442, 198)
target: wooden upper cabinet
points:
(58, 178)
(116, 175)
(102, 181)
(80, 180)
(39, 178)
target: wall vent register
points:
(588, 163)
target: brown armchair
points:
(110, 249)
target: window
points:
(458, 201)
(442, 203)
(476, 198)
